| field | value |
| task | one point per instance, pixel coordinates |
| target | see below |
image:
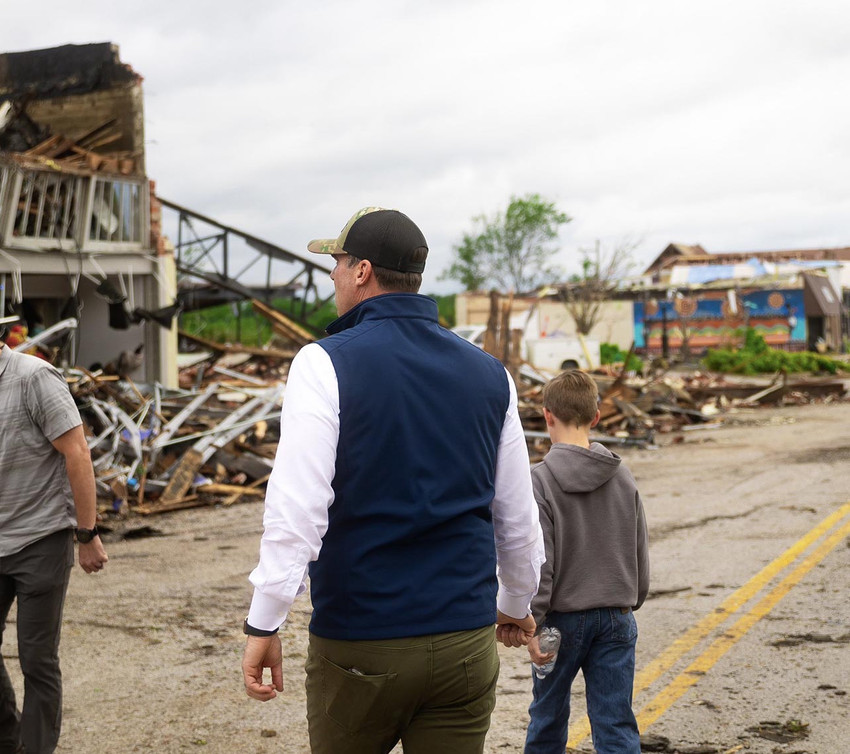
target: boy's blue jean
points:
(602, 643)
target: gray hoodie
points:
(594, 532)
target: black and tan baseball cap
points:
(386, 237)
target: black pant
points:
(38, 577)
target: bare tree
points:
(602, 270)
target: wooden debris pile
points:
(779, 389)
(172, 449)
(211, 441)
(634, 409)
(37, 147)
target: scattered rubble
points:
(794, 640)
(209, 442)
(635, 408)
(29, 144)
(792, 730)
(212, 440)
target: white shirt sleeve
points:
(519, 539)
(299, 490)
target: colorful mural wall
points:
(709, 319)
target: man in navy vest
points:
(402, 484)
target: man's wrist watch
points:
(84, 536)
(251, 631)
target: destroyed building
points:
(81, 256)
(795, 299)
(689, 300)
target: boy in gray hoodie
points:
(596, 573)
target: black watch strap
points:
(84, 536)
(247, 628)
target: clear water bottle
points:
(549, 640)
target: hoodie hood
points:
(578, 469)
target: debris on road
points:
(792, 730)
(212, 440)
(634, 408)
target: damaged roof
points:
(61, 71)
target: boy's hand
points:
(534, 651)
(514, 632)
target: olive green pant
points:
(433, 693)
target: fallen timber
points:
(213, 440)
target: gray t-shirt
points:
(36, 407)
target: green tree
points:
(511, 251)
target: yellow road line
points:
(699, 667)
(734, 602)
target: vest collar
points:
(385, 306)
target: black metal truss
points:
(225, 259)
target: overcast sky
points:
(724, 123)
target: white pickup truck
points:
(559, 352)
(554, 353)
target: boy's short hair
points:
(572, 397)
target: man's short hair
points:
(394, 281)
(572, 397)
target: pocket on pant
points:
(623, 625)
(356, 702)
(482, 673)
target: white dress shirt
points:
(299, 494)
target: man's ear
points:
(365, 273)
(596, 418)
(549, 417)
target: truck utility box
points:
(553, 353)
(560, 352)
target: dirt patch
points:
(828, 456)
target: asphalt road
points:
(744, 643)
(747, 624)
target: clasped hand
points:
(514, 632)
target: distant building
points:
(550, 316)
(694, 300)
(79, 237)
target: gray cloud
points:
(722, 123)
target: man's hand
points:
(262, 652)
(92, 556)
(534, 651)
(514, 632)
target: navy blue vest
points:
(409, 548)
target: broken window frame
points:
(27, 223)
(30, 222)
(6, 174)
(126, 201)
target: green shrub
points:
(609, 353)
(756, 357)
